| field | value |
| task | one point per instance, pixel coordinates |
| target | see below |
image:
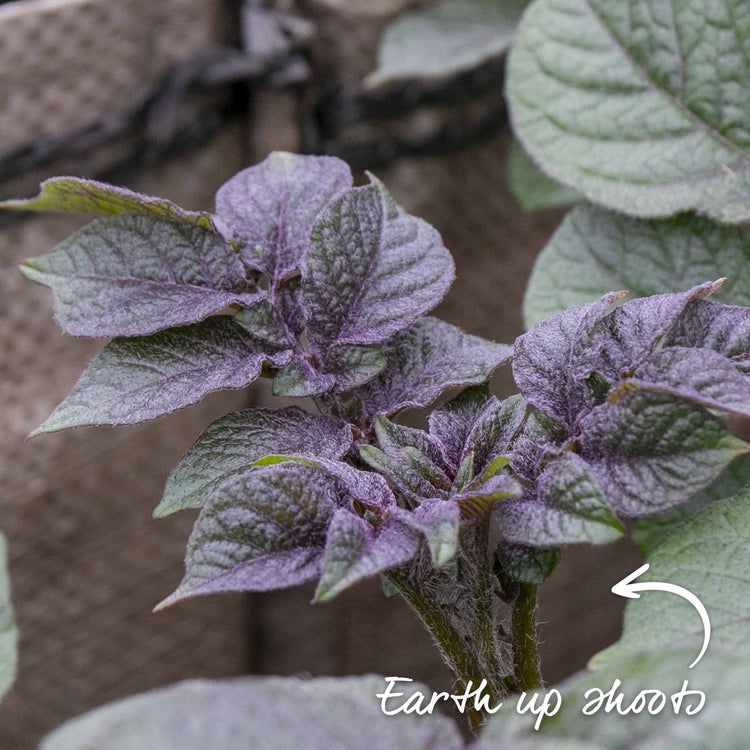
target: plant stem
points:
(525, 658)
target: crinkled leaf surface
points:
(449, 37)
(569, 507)
(711, 325)
(527, 564)
(652, 451)
(595, 251)
(136, 274)
(699, 375)
(355, 550)
(298, 379)
(423, 361)
(270, 208)
(135, 379)
(74, 195)
(534, 190)
(238, 440)
(640, 106)
(368, 276)
(710, 556)
(263, 528)
(439, 521)
(546, 358)
(8, 632)
(258, 713)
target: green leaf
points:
(258, 713)
(449, 37)
(596, 251)
(8, 631)
(74, 195)
(532, 188)
(710, 556)
(137, 274)
(640, 106)
(263, 528)
(651, 531)
(653, 451)
(136, 379)
(527, 564)
(240, 439)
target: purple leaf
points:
(74, 195)
(393, 438)
(699, 375)
(265, 322)
(438, 521)
(625, 338)
(353, 366)
(478, 497)
(135, 379)
(545, 358)
(423, 361)
(136, 274)
(477, 422)
(403, 476)
(240, 439)
(652, 451)
(270, 208)
(568, 507)
(355, 550)
(366, 276)
(262, 529)
(712, 325)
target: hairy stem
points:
(525, 657)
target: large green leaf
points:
(639, 105)
(450, 37)
(252, 713)
(710, 556)
(531, 187)
(597, 251)
(8, 632)
(662, 637)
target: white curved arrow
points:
(627, 588)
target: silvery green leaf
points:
(263, 528)
(534, 190)
(353, 366)
(270, 208)
(355, 550)
(651, 531)
(263, 321)
(712, 325)
(476, 499)
(423, 361)
(136, 274)
(652, 451)
(710, 556)
(258, 713)
(545, 360)
(699, 375)
(74, 195)
(478, 423)
(527, 564)
(723, 722)
(569, 508)
(595, 251)
(393, 438)
(445, 39)
(238, 440)
(632, 105)
(8, 631)
(136, 379)
(438, 521)
(367, 276)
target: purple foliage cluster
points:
(325, 287)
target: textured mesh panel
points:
(87, 560)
